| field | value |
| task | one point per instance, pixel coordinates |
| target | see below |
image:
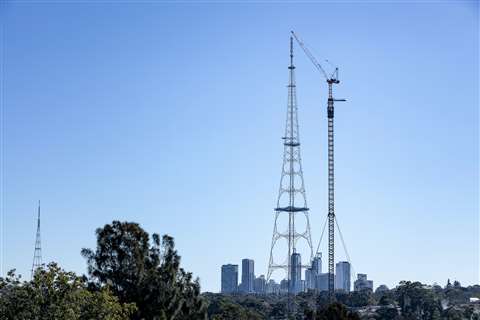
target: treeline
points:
(131, 276)
(408, 301)
(136, 276)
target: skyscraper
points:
(343, 276)
(362, 283)
(312, 273)
(259, 285)
(309, 279)
(229, 278)
(317, 264)
(272, 287)
(296, 276)
(248, 275)
(321, 282)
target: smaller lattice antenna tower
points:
(37, 254)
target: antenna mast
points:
(37, 254)
(291, 201)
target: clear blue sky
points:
(171, 115)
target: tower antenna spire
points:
(37, 254)
(291, 51)
(291, 200)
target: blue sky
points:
(171, 115)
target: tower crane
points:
(331, 80)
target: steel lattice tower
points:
(331, 191)
(37, 254)
(291, 200)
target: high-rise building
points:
(309, 279)
(296, 275)
(343, 276)
(272, 287)
(284, 285)
(317, 263)
(362, 283)
(229, 278)
(248, 276)
(259, 285)
(312, 272)
(321, 282)
(303, 286)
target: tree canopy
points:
(56, 294)
(147, 274)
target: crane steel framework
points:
(291, 187)
(331, 80)
(37, 254)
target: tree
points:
(223, 308)
(385, 301)
(387, 312)
(148, 275)
(361, 298)
(415, 301)
(336, 311)
(56, 294)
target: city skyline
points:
(127, 122)
(315, 279)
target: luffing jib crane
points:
(332, 79)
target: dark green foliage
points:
(361, 298)
(223, 308)
(385, 300)
(416, 301)
(272, 307)
(387, 312)
(60, 295)
(408, 301)
(457, 295)
(147, 275)
(335, 311)
(279, 310)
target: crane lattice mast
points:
(331, 80)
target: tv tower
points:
(291, 201)
(37, 254)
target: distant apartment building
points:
(272, 287)
(342, 281)
(248, 276)
(260, 285)
(284, 286)
(296, 273)
(229, 278)
(362, 283)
